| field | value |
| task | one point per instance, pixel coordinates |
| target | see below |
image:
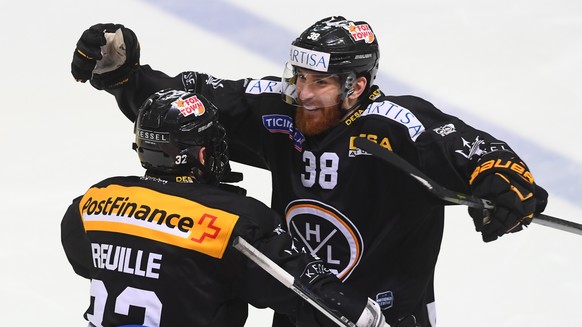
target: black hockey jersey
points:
(159, 253)
(375, 227)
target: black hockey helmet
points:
(335, 45)
(170, 129)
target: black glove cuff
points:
(115, 79)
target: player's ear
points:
(359, 87)
(202, 155)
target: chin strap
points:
(348, 111)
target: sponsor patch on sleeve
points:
(398, 114)
(259, 86)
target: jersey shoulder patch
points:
(260, 86)
(398, 114)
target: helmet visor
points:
(312, 89)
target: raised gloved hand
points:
(105, 54)
(508, 183)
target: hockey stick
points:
(289, 281)
(451, 196)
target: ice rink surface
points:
(513, 68)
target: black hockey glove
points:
(507, 182)
(106, 54)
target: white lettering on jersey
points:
(258, 86)
(130, 297)
(398, 114)
(126, 260)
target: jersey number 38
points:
(326, 177)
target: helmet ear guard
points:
(348, 84)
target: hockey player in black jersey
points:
(158, 248)
(377, 229)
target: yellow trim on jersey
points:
(157, 216)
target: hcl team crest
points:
(318, 226)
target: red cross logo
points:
(204, 229)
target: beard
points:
(311, 123)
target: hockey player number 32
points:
(328, 165)
(129, 297)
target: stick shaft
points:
(288, 280)
(450, 196)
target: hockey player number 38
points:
(328, 163)
(129, 297)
